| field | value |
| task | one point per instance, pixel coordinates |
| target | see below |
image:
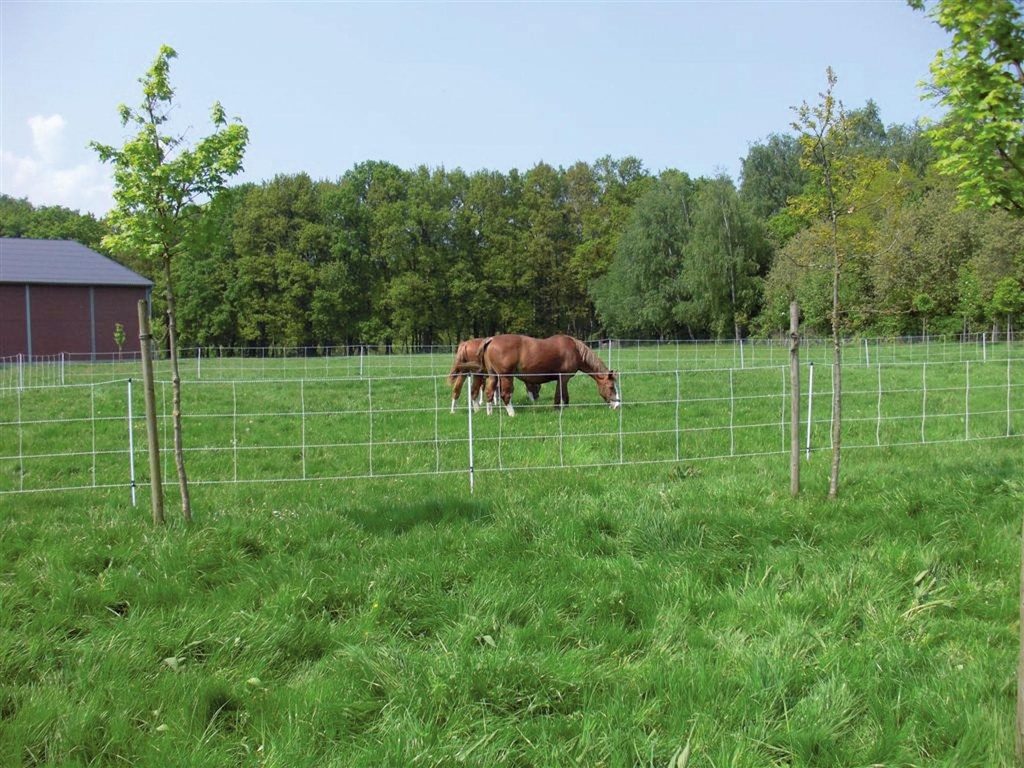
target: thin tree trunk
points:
(794, 408)
(837, 370)
(732, 274)
(837, 391)
(179, 451)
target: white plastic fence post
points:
(469, 416)
(677, 414)
(234, 429)
(732, 414)
(437, 423)
(21, 445)
(302, 405)
(619, 410)
(924, 397)
(878, 409)
(92, 423)
(131, 444)
(810, 409)
(785, 400)
(1009, 422)
(561, 435)
(967, 400)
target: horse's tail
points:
(460, 356)
(482, 352)
(463, 364)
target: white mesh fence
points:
(273, 430)
(364, 360)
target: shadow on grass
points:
(398, 520)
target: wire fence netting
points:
(285, 424)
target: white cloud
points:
(48, 137)
(44, 178)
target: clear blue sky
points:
(322, 86)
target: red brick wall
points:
(117, 305)
(62, 321)
(12, 320)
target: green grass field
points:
(590, 614)
(597, 617)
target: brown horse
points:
(535, 361)
(468, 363)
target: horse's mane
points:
(589, 359)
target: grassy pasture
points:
(595, 614)
(602, 616)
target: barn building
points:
(57, 296)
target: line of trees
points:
(385, 255)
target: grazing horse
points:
(536, 361)
(467, 362)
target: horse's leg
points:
(457, 390)
(562, 392)
(489, 393)
(476, 391)
(505, 387)
(532, 389)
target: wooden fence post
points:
(146, 349)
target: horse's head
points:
(608, 387)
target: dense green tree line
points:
(385, 255)
(19, 218)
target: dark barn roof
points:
(61, 262)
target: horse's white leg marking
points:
(453, 405)
(533, 397)
(510, 409)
